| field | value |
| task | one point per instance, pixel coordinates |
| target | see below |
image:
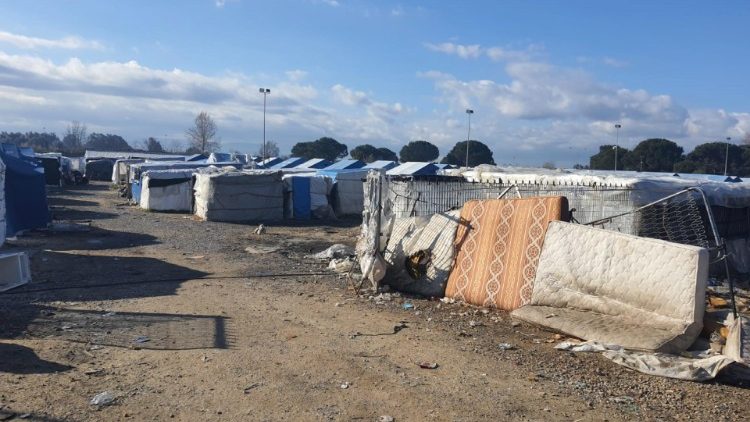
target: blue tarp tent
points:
(25, 195)
(346, 165)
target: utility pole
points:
(726, 157)
(265, 92)
(617, 142)
(469, 112)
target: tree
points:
(549, 165)
(40, 142)
(202, 135)
(369, 153)
(605, 158)
(272, 149)
(327, 148)
(107, 142)
(709, 158)
(419, 151)
(75, 136)
(479, 153)
(152, 145)
(654, 154)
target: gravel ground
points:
(176, 320)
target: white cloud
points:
(397, 11)
(296, 75)
(495, 53)
(30, 43)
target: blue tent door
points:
(301, 198)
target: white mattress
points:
(640, 293)
(432, 234)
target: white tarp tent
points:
(239, 196)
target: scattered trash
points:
(550, 315)
(505, 346)
(109, 314)
(92, 371)
(515, 323)
(104, 398)
(396, 329)
(341, 265)
(344, 385)
(251, 387)
(448, 300)
(473, 324)
(717, 302)
(386, 418)
(381, 298)
(195, 257)
(408, 305)
(261, 229)
(334, 251)
(427, 365)
(622, 399)
(141, 339)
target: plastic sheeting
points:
(307, 196)
(347, 195)
(239, 196)
(25, 196)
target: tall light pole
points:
(726, 157)
(469, 112)
(617, 142)
(265, 92)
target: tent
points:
(137, 170)
(381, 165)
(239, 196)
(346, 165)
(288, 163)
(413, 169)
(25, 195)
(100, 169)
(315, 163)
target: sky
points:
(547, 80)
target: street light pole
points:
(726, 157)
(469, 112)
(265, 92)
(617, 142)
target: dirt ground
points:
(176, 320)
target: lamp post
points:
(469, 112)
(617, 142)
(726, 157)
(265, 92)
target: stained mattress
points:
(640, 293)
(497, 249)
(419, 253)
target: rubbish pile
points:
(640, 302)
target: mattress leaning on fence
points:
(420, 253)
(239, 196)
(639, 293)
(498, 245)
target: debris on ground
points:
(344, 385)
(251, 387)
(341, 265)
(337, 250)
(105, 398)
(427, 365)
(261, 229)
(407, 305)
(386, 418)
(505, 346)
(141, 339)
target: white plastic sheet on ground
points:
(690, 366)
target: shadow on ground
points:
(19, 359)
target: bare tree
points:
(746, 139)
(75, 136)
(202, 135)
(272, 149)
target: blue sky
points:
(547, 79)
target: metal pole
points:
(469, 112)
(265, 92)
(726, 157)
(617, 142)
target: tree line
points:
(663, 155)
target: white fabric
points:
(239, 196)
(643, 294)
